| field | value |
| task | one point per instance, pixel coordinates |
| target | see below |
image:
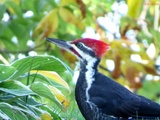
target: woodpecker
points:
(98, 96)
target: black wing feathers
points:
(113, 99)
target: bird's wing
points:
(124, 109)
(133, 107)
(113, 99)
(148, 107)
(139, 106)
(128, 107)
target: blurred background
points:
(131, 27)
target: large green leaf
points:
(15, 88)
(6, 72)
(49, 63)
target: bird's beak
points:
(63, 44)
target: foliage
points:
(34, 87)
(26, 88)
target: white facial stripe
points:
(82, 54)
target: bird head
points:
(83, 48)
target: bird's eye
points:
(80, 45)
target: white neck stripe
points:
(90, 70)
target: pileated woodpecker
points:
(98, 96)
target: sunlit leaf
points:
(66, 2)
(67, 15)
(6, 72)
(61, 98)
(46, 116)
(134, 7)
(53, 114)
(49, 63)
(53, 76)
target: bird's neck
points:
(88, 71)
(89, 65)
(85, 80)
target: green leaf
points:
(6, 72)
(45, 115)
(48, 63)
(19, 30)
(14, 8)
(13, 113)
(9, 45)
(55, 77)
(150, 90)
(29, 110)
(2, 10)
(15, 88)
(156, 37)
(53, 114)
(3, 116)
(43, 90)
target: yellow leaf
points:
(69, 17)
(46, 116)
(48, 24)
(2, 1)
(15, 1)
(53, 76)
(134, 7)
(66, 15)
(66, 2)
(60, 97)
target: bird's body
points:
(101, 98)
(110, 100)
